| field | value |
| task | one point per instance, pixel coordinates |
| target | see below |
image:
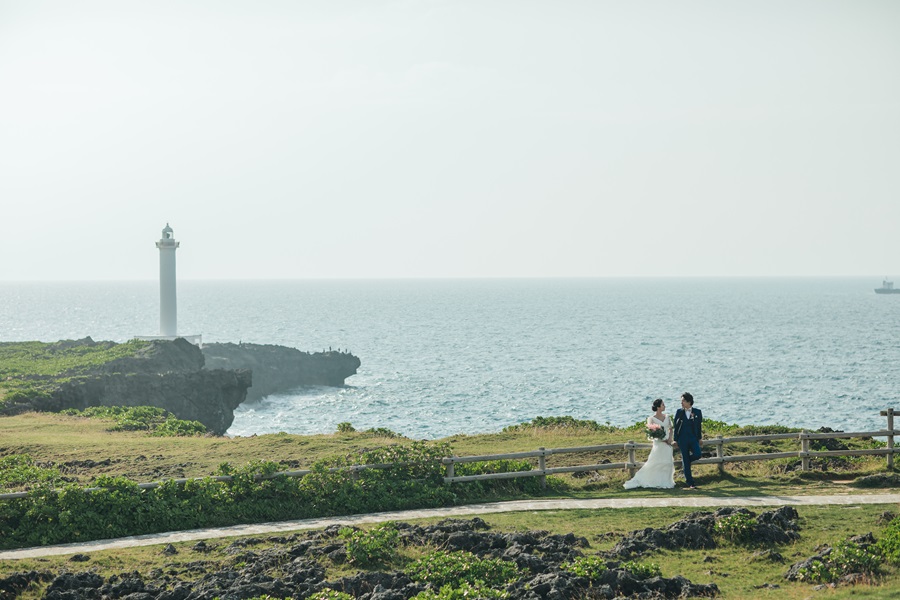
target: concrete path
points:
(453, 511)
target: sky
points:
(465, 138)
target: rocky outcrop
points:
(294, 567)
(193, 384)
(697, 532)
(279, 368)
(178, 356)
(165, 374)
(209, 397)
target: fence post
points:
(804, 450)
(631, 469)
(889, 413)
(542, 465)
(720, 454)
(451, 471)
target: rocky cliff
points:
(166, 374)
(193, 384)
(209, 397)
(279, 368)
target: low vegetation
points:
(377, 546)
(591, 567)
(252, 493)
(115, 442)
(737, 528)
(846, 558)
(560, 423)
(454, 569)
(30, 370)
(156, 421)
(19, 471)
(55, 456)
(347, 427)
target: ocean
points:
(441, 357)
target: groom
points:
(689, 435)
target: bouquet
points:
(655, 432)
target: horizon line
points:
(447, 278)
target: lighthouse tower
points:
(168, 308)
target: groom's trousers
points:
(690, 451)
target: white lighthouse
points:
(168, 303)
(168, 298)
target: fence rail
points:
(720, 459)
(631, 464)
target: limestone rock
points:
(279, 368)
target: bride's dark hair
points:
(656, 404)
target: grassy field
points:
(83, 449)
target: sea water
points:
(441, 357)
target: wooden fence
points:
(631, 465)
(804, 453)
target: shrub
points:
(464, 591)
(329, 594)
(845, 558)
(373, 547)
(326, 594)
(642, 570)
(19, 470)
(889, 544)
(818, 572)
(748, 430)
(443, 568)
(477, 489)
(566, 422)
(591, 567)
(737, 528)
(345, 427)
(253, 495)
(381, 432)
(157, 421)
(711, 426)
(173, 427)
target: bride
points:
(659, 470)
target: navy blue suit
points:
(688, 433)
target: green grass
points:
(34, 369)
(85, 448)
(22, 360)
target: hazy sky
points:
(449, 138)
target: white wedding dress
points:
(659, 470)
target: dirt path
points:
(454, 511)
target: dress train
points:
(659, 470)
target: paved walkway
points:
(453, 511)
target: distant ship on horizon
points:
(887, 287)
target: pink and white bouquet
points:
(655, 432)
